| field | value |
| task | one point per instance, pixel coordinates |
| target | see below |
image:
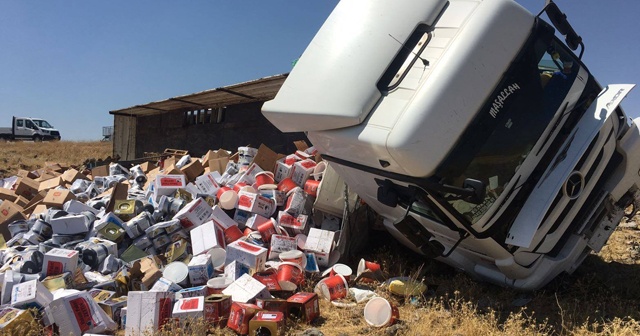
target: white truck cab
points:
(29, 129)
(480, 136)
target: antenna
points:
(425, 62)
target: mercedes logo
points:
(574, 185)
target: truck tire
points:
(37, 138)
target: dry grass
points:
(33, 155)
(601, 298)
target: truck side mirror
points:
(559, 20)
(479, 189)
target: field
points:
(601, 298)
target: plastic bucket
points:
(343, 270)
(332, 288)
(177, 272)
(217, 285)
(218, 256)
(311, 187)
(264, 177)
(380, 313)
(267, 230)
(228, 200)
(291, 272)
(232, 234)
(294, 256)
(286, 185)
(364, 265)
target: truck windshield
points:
(42, 123)
(509, 125)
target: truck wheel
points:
(37, 138)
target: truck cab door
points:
(21, 130)
(30, 128)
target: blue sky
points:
(71, 62)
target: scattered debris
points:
(229, 238)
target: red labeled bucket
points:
(333, 288)
(311, 187)
(232, 234)
(286, 185)
(291, 272)
(264, 177)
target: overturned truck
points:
(472, 128)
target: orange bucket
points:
(311, 187)
(333, 288)
(291, 272)
(232, 234)
(286, 185)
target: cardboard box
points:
(192, 292)
(320, 242)
(167, 185)
(57, 197)
(304, 306)
(207, 183)
(8, 279)
(216, 161)
(272, 321)
(220, 218)
(205, 237)
(113, 307)
(239, 316)
(217, 308)
(27, 187)
(147, 271)
(256, 203)
(218, 165)
(200, 269)
(9, 212)
(21, 201)
(76, 207)
(35, 210)
(235, 270)
(194, 214)
(70, 224)
(50, 183)
(15, 321)
(273, 304)
(284, 167)
(147, 311)
(281, 243)
(266, 158)
(78, 314)
(71, 175)
(246, 253)
(148, 166)
(58, 261)
(125, 209)
(165, 285)
(7, 195)
(302, 170)
(26, 173)
(117, 193)
(30, 294)
(58, 281)
(101, 295)
(192, 170)
(294, 225)
(100, 171)
(246, 289)
(187, 309)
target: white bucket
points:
(177, 272)
(218, 256)
(380, 313)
